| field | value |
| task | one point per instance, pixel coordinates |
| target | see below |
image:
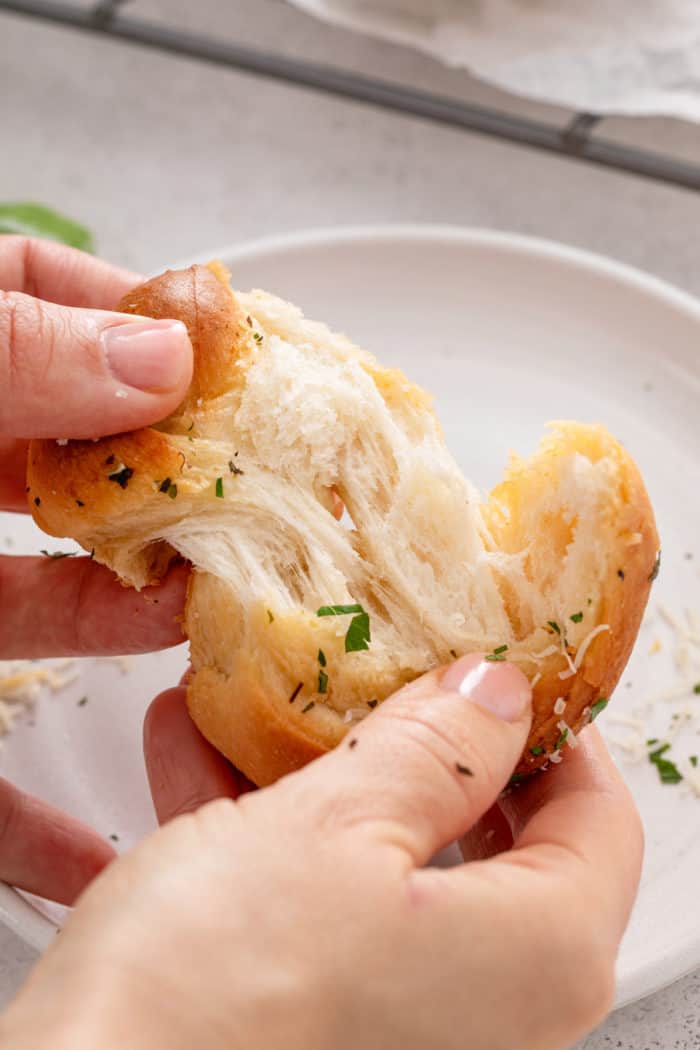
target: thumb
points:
(73, 373)
(432, 759)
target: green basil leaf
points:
(36, 220)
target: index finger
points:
(582, 822)
(62, 275)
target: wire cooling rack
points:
(576, 139)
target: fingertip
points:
(184, 770)
(153, 356)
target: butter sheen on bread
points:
(283, 417)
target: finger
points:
(70, 373)
(13, 474)
(45, 851)
(431, 760)
(580, 820)
(490, 836)
(184, 770)
(59, 274)
(74, 607)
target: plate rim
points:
(644, 982)
(476, 236)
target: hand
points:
(70, 367)
(302, 916)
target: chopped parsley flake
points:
(597, 707)
(270, 617)
(358, 634)
(516, 779)
(165, 485)
(311, 703)
(296, 692)
(453, 654)
(657, 568)
(554, 625)
(576, 617)
(219, 489)
(121, 477)
(694, 761)
(322, 682)
(464, 770)
(696, 688)
(500, 649)
(562, 740)
(257, 337)
(537, 750)
(654, 740)
(233, 468)
(172, 491)
(372, 703)
(322, 658)
(668, 771)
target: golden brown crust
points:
(73, 489)
(201, 298)
(243, 722)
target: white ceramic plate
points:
(508, 333)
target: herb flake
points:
(372, 703)
(537, 750)
(576, 617)
(322, 682)
(305, 710)
(597, 707)
(358, 634)
(554, 625)
(464, 770)
(296, 692)
(668, 770)
(219, 488)
(657, 568)
(322, 658)
(121, 477)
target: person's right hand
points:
(71, 367)
(302, 916)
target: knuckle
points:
(448, 746)
(26, 339)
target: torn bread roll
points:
(300, 623)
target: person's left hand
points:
(71, 367)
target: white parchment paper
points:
(604, 56)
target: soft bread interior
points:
(438, 570)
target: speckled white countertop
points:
(165, 157)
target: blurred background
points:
(163, 156)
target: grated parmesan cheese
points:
(564, 727)
(21, 682)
